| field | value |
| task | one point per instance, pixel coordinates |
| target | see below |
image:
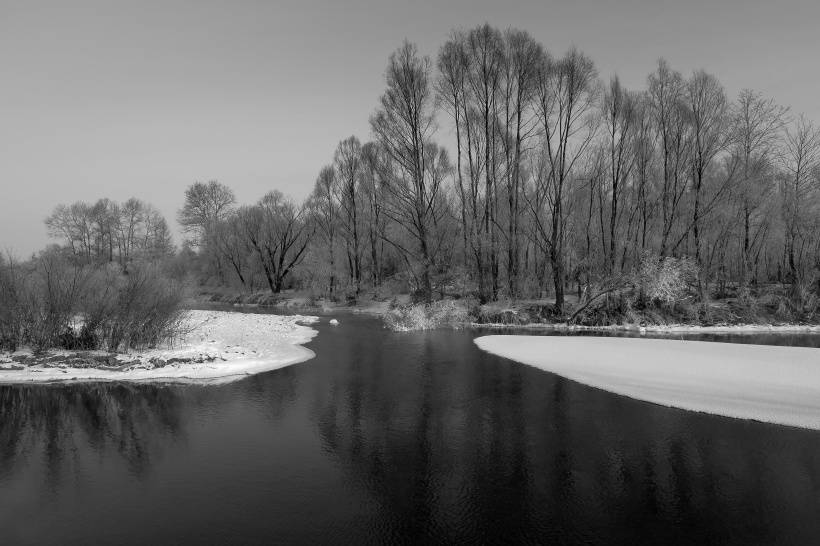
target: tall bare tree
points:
(403, 126)
(666, 100)
(756, 125)
(707, 108)
(325, 209)
(619, 114)
(348, 165)
(567, 93)
(801, 160)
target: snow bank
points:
(218, 347)
(664, 328)
(767, 383)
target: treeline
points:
(111, 231)
(554, 182)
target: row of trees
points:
(107, 231)
(558, 182)
(265, 240)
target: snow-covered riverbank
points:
(766, 383)
(664, 328)
(218, 346)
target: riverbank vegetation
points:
(498, 171)
(110, 286)
(522, 184)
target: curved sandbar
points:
(218, 346)
(767, 383)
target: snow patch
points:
(662, 328)
(218, 346)
(766, 383)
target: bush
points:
(131, 311)
(659, 290)
(666, 281)
(9, 305)
(406, 318)
(52, 302)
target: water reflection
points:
(62, 423)
(485, 449)
(393, 438)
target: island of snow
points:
(217, 346)
(766, 383)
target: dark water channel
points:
(405, 438)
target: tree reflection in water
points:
(393, 438)
(452, 443)
(61, 423)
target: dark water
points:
(395, 438)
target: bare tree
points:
(619, 113)
(567, 90)
(278, 234)
(348, 165)
(452, 93)
(707, 108)
(403, 126)
(325, 210)
(756, 124)
(666, 99)
(108, 231)
(231, 245)
(205, 205)
(373, 187)
(523, 56)
(800, 158)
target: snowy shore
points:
(218, 346)
(766, 383)
(664, 328)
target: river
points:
(395, 438)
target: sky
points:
(118, 99)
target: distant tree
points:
(205, 205)
(232, 246)
(108, 231)
(278, 234)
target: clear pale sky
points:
(114, 99)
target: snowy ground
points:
(667, 328)
(766, 383)
(219, 346)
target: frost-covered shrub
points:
(10, 326)
(50, 292)
(52, 302)
(800, 302)
(667, 280)
(135, 310)
(406, 318)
